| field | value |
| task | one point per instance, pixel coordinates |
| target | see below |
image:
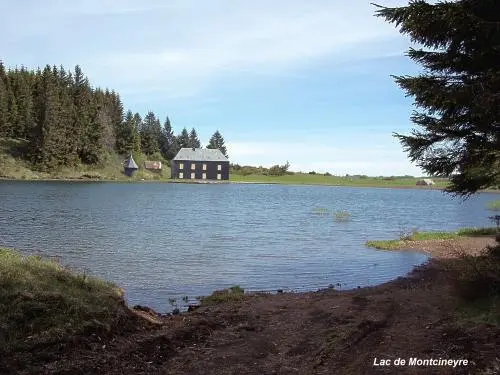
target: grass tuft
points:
(41, 301)
(342, 216)
(494, 205)
(234, 293)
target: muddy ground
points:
(326, 332)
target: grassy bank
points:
(42, 302)
(426, 236)
(54, 321)
(13, 166)
(321, 179)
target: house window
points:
(204, 167)
(192, 176)
(204, 176)
(193, 166)
(219, 176)
(219, 167)
(181, 175)
(181, 165)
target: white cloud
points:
(187, 45)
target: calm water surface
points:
(161, 241)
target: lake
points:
(161, 240)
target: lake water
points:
(161, 241)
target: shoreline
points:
(419, 315)
(229, 182)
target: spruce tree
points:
(458, 93)
(25, 105)
(150, 132)
(167, 140)
(137, 135)
(194, 141)
(4, 129)
(217, 142)
(12, 111)
(82, 121)
(49, 150)
(183, 139)
(125, 135)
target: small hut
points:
(154, 166)
(130, 166)
(425, 182)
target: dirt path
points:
(446, 249)
(327, 332)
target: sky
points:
(308, 82)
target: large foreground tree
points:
(458, 93)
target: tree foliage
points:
(194, 141)
(183, 139)
(458, 93)
(217, 142)
(66, 121)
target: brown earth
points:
(326, 332)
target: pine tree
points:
(183, 139)
(48, 153)
(25, 105)
(125, 135)
(82, 122)
(458, 94)
(167, 141)
(150, 134)
(217, 142)
(4, 126)
(194, 141)
(12, 111)
(137, 135)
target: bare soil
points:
(326, 332)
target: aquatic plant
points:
(342, 216)
(320, 211)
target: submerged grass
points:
(41, 301)
(424, 236)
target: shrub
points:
(234, 293)
(476, 277)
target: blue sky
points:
(303, 81)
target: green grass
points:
(41, 302)
(423, 236)
(494, 205)
(12, 166)
(234, 293)
(320, 179)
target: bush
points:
(478, 277)
(234, 293)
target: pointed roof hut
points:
(130, 166)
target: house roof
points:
(130, 163)
(200, 154)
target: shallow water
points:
(161, 241)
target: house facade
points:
(200, 164)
